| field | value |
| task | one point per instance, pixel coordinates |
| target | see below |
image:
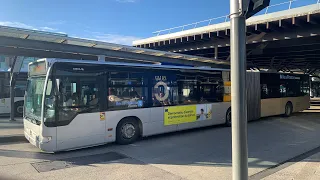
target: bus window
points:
(305, 85)
(6, 92)
(270, 86)
(78, 92)
(294, 86)
(164, 90)
(20, 88)
(127, 90)
(49, 104)
(188, 90)
(272, 90)
(33, 99)
(5, 88)
(211, 88)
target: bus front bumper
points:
(32, 137)
(39, 142)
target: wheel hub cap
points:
(128, 131)
(20, 109)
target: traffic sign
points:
(251, 7)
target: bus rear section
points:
(270, 94)
(284, 93)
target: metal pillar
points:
(101, 58)
(14, 71)
(12, 94)
(238, 92)
(216, 52)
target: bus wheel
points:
(288, 109)
(127, 131)
(228, 118)
(18, 111)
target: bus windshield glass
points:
(33, 99)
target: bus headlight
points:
(45, 139)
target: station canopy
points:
(47, 42)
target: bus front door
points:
(79, 121)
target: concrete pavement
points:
(306, 169)
(11, 131)
(197, 154)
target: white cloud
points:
(98, 36)
(17, 24)
(26, 26)
(127, 1)
(113, 38)
(47, 29)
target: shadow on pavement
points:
(271, 141)
(11, 131)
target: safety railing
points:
(272, 8)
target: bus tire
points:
(288, 109)
(128, 131)
(18, 108)
(228, 118)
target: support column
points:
(238, 92)
(102, 58)
(12, 95)
(216, 52)
(15, 69)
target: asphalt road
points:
(197, 154)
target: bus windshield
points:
(33, 99)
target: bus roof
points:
(54, 60)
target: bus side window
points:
(127, 90)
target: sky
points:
(114, 21)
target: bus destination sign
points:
(38, 68)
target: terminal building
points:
(285, 40)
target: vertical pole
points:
(238, 93)
(102, 58)
(12, 94)
(216, 52)
(12, 84)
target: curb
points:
(282, 165)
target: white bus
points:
(5, 105)
(72, 104)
